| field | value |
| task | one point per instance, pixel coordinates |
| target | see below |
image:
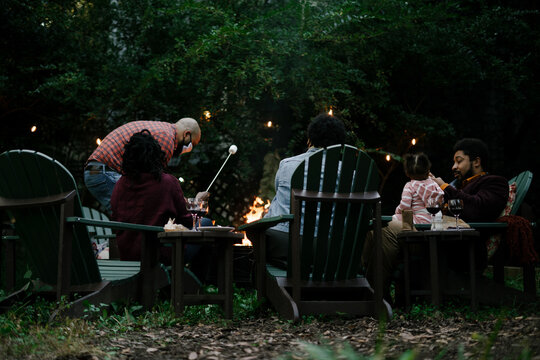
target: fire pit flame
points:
(256, 211)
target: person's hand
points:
(203, 195)
(438, 180)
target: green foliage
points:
(391, 69)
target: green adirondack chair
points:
(323, 269)
(500, 260)
(40, 196)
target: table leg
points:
(434, 271)
(228, 281)
(178, 276)
(472, 270)
(407, 275)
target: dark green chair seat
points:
(324, 275)
(117, 270)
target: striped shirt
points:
(111, 149)
(415, 196)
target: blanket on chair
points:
(520, 240)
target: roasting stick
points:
(232, 150)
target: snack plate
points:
(216, 228)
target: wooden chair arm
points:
(56, 199)
(265, 223)
(319, 196)
(113, 224)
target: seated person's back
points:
(146, 195)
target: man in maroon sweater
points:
(484, 195)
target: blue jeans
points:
(101, 184)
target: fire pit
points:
(243, 254)
(244, 260)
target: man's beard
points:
(459, 179)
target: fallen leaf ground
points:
(270, 338)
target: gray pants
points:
(391, 250)
(277, 248)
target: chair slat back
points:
(523, 182)
(333, 233)
(94, 214)
(27, 174)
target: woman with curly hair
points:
(146, 195)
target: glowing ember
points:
(256, 211)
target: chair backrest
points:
(523, 182)
(99, 231)
(333, 233)
(28, 174)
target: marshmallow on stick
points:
(232, 150)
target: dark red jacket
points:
(148, 202)
(484, 198)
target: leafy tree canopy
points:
(393, 70)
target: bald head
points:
(187, 129)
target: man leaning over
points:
(103, 168)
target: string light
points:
(207, 114)
(98, 141)
(388, 157)
(269, 124)
(331, 112)
(181, 179)
(413, 141)
(33, 128)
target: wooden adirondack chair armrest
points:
(474, 225)
(488, 225)
(37, 202)
(113, 224)
(320, 196)
(266, 223)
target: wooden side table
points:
(223, 241)
(433, 238)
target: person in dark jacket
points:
(484, 195)
(146, 195)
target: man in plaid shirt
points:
(104, 167)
